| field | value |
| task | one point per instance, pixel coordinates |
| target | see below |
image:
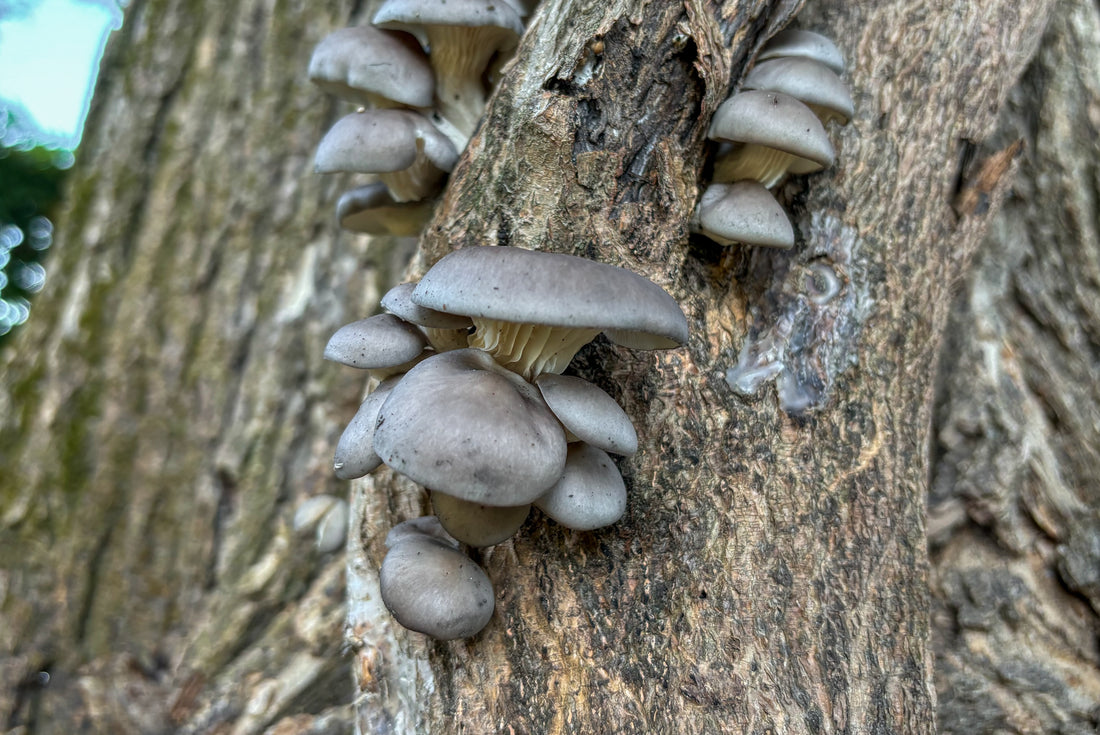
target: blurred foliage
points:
(30, 189)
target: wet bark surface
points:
(167, 407)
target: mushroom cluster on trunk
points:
(472, 405)
(773, 128)
(420, 75)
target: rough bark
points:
(167, 407)
(1014, 523)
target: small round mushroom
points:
(370, 66)
(464, 36)
(444, 331)
(461, 424)
(590, 495)
(809, 82)
(406, 151)
(377, 342)
(355, 455)
(743, 212)
(773, 133)
(328, 515)
(372, 210)
(533, 310)
(588, 413)
(803, 44)
(477, 524)
(431, 587)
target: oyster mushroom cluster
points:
(421, 75)
(774, 127)
(472, 405)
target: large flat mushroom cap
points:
(553, 289)
(773, 120)
(460, 424)
(364, 63)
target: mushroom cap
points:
(380, 341)
(461, 424)
(431, 587)
(404, 14)
(808, 81)
(806, 44)
(476, 524)
(383, 141)
(398, 301)
(773, 120)
(355, 455)
(588, 413)
(743, 212)
(328, 515)
(531, 287)
(417, 527)
(591, 494)
(364, 63)
(371, 209)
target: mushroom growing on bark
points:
(372, 210)
(406, 151)
(463, 37)
(772, 134)
(430, 586)
(460, 424)
(532, 310)
(743, 212)
(370, 66)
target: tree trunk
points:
(167, 408)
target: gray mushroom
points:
(461, 424)
(532, 310)
(444, 331)
(590, 495)
(772, 133)
(809, 82)
(355, 455)
(588, 413)
(327, 515)
(803, 44)
(377, 342)
(431, 587)
(464, 36)
(407, 152)
(743, 212)
(370, 66)
(372, 210)
(477, 524)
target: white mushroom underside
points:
(459, 57)
(756, 163)
(530, 349)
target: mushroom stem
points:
(529, 349)
(414, 183)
